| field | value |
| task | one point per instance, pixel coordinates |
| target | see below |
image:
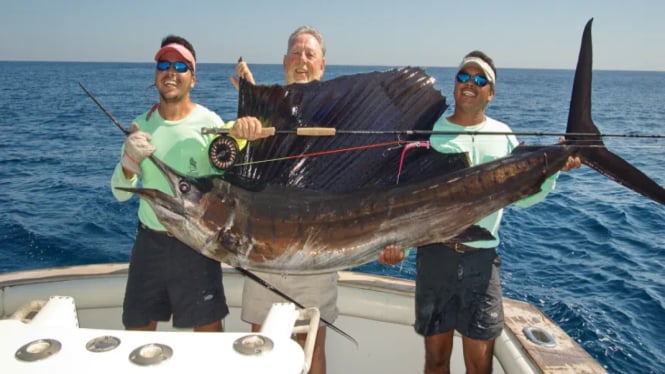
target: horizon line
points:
(337, 64)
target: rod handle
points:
(268, 131)
(316, 131)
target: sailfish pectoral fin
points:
(473, 233)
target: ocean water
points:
(591, 256)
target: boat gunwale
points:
(566, 357)
(35, 276)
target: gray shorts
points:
(458, 291)
(318, 290)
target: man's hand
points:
(572, 163)
(249, 128)
(137, 147)
(243, 72)
(391, 255)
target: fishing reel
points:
(223, 151)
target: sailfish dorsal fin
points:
(394, 100)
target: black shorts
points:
(460, 291)
(167, 278)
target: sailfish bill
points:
(284, 228)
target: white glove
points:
(137, 147)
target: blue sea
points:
(591, 256)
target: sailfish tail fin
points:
(622, 172)
(583, 132)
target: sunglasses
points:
(477, 79)
(178, 66)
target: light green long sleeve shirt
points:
(180, 145)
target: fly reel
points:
(223, 152)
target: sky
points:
(627, 35)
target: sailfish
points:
(319, 214)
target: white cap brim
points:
(484, 66)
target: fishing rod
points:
(224, 150)
(108, 114)
(269, 286)
(332, 131)
(245, 272)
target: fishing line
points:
(327, 152)
(228, 162)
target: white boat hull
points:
(377, 311)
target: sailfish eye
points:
(184, 186)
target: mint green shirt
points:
(480, 149)
(180, 145)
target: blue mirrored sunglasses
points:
(477, 79)
(178, 66)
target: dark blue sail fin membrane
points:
(394, 100)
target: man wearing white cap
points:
(457, 284)
(166, 278)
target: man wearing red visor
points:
(166, 278)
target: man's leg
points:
(152, 326)
(478, 355)
(216, 326)
(438, 349)
(318, 365)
